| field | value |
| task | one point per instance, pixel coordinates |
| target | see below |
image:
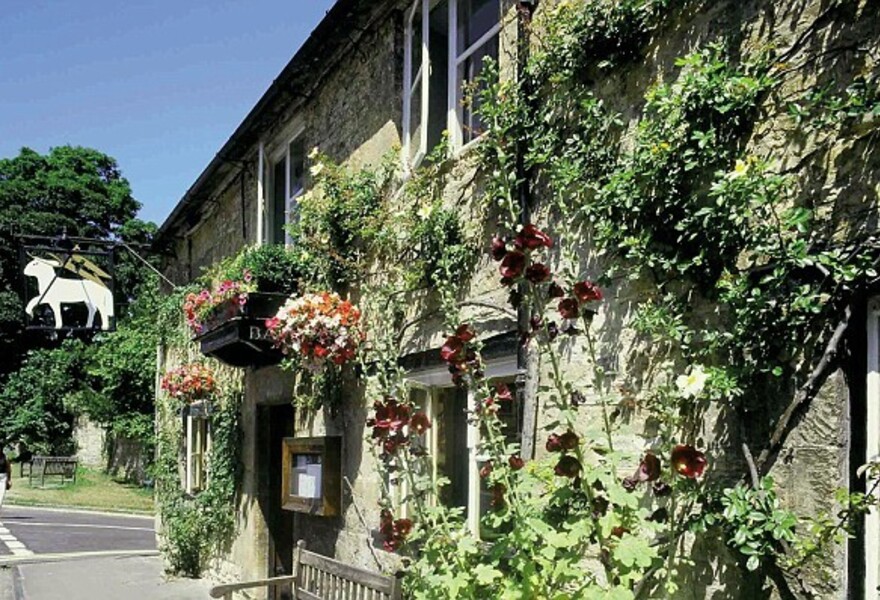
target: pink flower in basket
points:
(315, 329)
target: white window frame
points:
(291, 196)
(198, 444)
(436, 378)
(454, 114)
(409, 85)
(872, 449)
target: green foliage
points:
(341, 217)
(275, 268)
(195, 527)
(755, 522)
(32, 400)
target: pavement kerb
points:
(66, 556)
(80, 510)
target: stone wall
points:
(354, 115)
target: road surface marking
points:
(62, 556)
(83, 525)
(14, 546)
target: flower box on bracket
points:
(235, 333)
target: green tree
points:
(32, 399)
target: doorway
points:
(274, 423)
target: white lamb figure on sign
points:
(57, 291)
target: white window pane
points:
(438, 76)
(469, 86)
(415, 122)
(475, 19)
(415, 42)
(297, 152)
(279, 202)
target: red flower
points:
(555, 290)
(502, 392)
(537, 273)
(649, 470)
(553, 443)
(531, 238)
(420, 423)
(586, 291)
(568, 466)
(512, 264)
(486, 470)
(516, 462)
(499, 248)
(688, 461)
(568, 308)
(568, 440)
(465, 333)
(451, 351)
(498, 491)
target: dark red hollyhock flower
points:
(688, 461)
(568, 440)
(649, 470)
(553, 443)
(619, 531)
(568, 308)
(535, 322)
(531, 238)
(499, 248)
(451, 351)
(402, 527)
(389, 418)
(568, 466)
(502, 392)
(498, 491)
(586, 291)
(555, 290)
(512, 264)
(538, 273)
(420, 423)
(552, 330)
(486, 470)
(516, 462)
(465, 332)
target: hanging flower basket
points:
(189, 383)
(314, 330)
(235, 330)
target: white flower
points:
(316, 169)
(692, 384)
(425, 211)
(313, 153)
(739, 169)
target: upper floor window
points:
(287, 185)
(446, 42)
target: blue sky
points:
(157, 84)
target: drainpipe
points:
(527, 355)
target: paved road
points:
(71, 555)
(27, 531)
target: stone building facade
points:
(345, 92)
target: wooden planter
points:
(237, 335)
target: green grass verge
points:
(92, 490)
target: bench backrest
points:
(319, 577)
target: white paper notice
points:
(307, 486)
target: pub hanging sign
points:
(68, 284)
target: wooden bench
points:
(317, 577)
(41, 466)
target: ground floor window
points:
(197, 443)
(453, 442)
